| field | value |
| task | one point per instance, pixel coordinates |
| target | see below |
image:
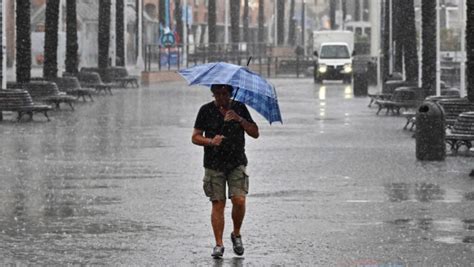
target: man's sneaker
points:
(218, 252)
(237, 243)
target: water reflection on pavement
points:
(118, 182)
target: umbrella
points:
(251, 88)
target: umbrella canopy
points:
(249, 87)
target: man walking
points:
(220, 128)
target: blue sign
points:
(167, 39)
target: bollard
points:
(430, 132)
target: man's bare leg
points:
(217, 220)
(238, 213)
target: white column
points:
(112, 44)
(140, 64)
(375, 9)
(462, 85)
(4, 45)
(438, 50)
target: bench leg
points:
(72, 107)
(378, 111)
(1, 115)
(406, 124)
(46, 115)
(110, 90)
(90, 96)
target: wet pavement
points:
(118, 182)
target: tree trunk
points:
(357, 10)
(71, 37)
(409, 41)
(428, 24)
(332, 13)
(470, 50)
(234, 24)
(23, 41)
(281, 21)
(162, 13)
(104, 34)
(386, 40)
(178, 14)
(119, 32)
(211, 22)
(261, 21)
(50, 67)
(292, 25)
(398, 35)
(245, 21)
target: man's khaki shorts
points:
(214, 183)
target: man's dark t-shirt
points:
(231, 152)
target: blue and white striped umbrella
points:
(251, 88)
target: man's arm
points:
(250, 128)
(199, 139)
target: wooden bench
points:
(462, 132)
(454, 107)
(48, 92)
(71, 85)
(411, 115)
(403, 97)
(120, 76)
(93, 80)
(20, 101)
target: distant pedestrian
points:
(220, 128)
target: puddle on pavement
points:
(286, 193)
(455, 229)
(425, 192)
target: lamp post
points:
(462, 86)
(438, 50)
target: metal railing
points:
(159, 58)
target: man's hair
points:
(217, 86)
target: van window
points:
(334, 51)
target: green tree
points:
(119, 32)
(104, 34)
(50, 67)
(428, 25)
(71, 37)
(470, 49)
(23, 41)
(292, 24)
